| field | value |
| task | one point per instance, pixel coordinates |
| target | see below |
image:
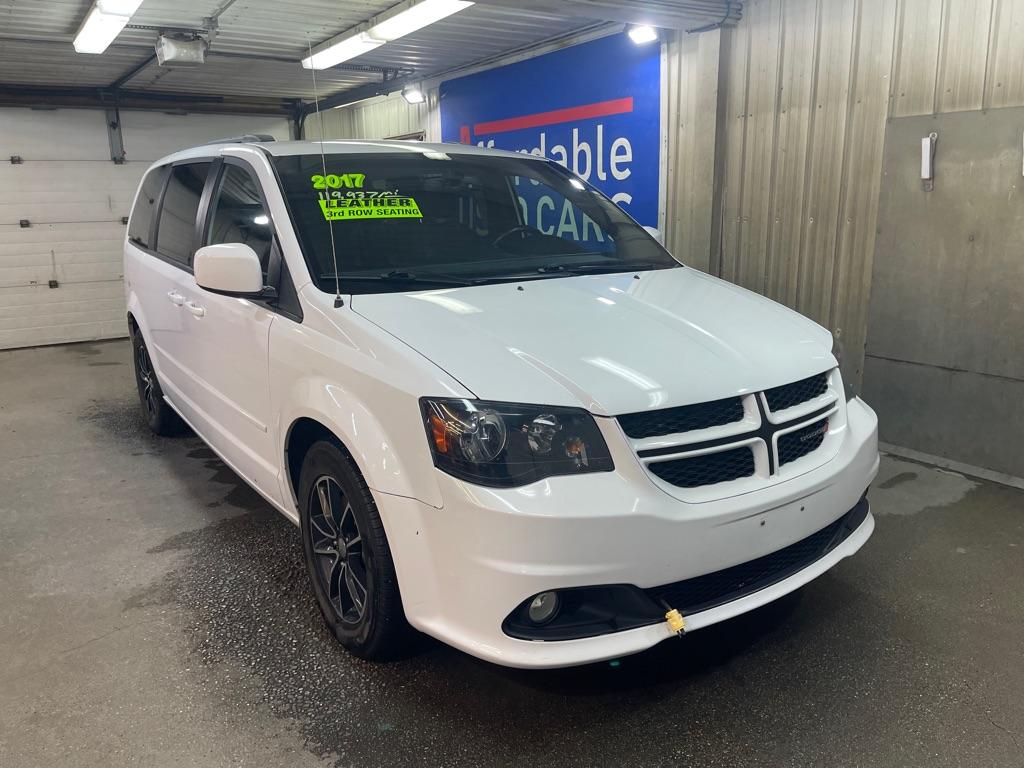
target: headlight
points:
(506, 444)
(848, 384)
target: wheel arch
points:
(402, 530)
(371, 453)
(136, 317)
(299, 438)
(386, 442)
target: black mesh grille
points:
(788, 395)
(703, 592)
(793, 445)
(682, 419)
(707, 469)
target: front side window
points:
(454, 219)
(238, 215)
(176, 231)
(141, 222)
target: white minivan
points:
(500, 412)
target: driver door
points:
(230, 336)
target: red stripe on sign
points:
(555, 116)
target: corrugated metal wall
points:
(808, 87)
(691, 109)
(379, 118)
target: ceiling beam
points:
(103, 98)
(211, 53)
(686, 15)
(132, 72)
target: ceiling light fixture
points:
(415, 17)
(413, 94)
(641, 33)
(414, 14)
(343, 50)
(103, 23)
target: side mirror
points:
(656, 234)
(231, 268)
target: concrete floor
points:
(154, 611)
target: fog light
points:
(543, 607)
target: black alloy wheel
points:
(160, 417)
(348, 557)
(146, 380)
(337, 544)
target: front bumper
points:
(463, 568)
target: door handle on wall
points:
(176, 298)
(194, 308)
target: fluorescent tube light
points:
(341, 51)
(415, 16)
(641, 34)
(103, 23)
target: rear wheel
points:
(348, 557)
(160, 417)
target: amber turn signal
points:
(438, 433)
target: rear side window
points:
(141, 222)
(239, 215)
(175, 236)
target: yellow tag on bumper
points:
(374, 208)
(676, 622)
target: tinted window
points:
(239, 215)
(454, 218)
(140, 224)
(544, 208)
(176, 232)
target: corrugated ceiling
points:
(259, 43)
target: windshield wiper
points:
(597, 268)
(570, 270)
(399, 276)
(592, 269)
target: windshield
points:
(409, 220)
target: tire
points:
(348, 558)
(160, 417)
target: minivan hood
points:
(612, 344)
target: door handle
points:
(176, 298)
(194, 308)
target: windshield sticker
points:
(355, 203)
(337, 181)
(370, 208)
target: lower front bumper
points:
(463, 568)
(590, 611)
(575, 652)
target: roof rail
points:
(246, 138)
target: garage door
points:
(62, 203)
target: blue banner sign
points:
(594, 108)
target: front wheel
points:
(348, 557)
